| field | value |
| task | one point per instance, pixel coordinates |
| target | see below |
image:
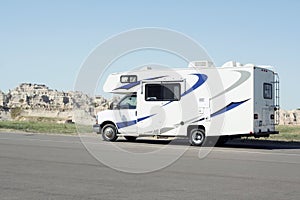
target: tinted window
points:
(162, 92)
(267, 91)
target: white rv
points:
(197, 102)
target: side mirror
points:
(116, 106)
(113, 106)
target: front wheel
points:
(197, 137)
(109, 133)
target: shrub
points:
(15, 112)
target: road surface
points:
(34, 166)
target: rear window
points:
(267, 91)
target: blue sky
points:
(47, 41)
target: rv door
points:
(159, 110)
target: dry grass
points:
(287, 133)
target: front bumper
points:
(97, 128)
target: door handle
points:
(135, 113)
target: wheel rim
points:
(197, 137)
(109, 132)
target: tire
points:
(130, 138)
(109, 133)
(197, 137)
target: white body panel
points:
(222, 100)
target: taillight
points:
(255, 116)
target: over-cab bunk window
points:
(162, 92)
(128, 78)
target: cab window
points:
(128, 102)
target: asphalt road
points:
(59, 167)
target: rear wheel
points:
(109, 133)
(130, 138)
(197, 137)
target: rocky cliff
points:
(37, 100)
(290, 117)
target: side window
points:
(128, 102)
(162, 92)
(267, 91)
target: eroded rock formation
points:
(37, 100)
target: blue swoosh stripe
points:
(132, 122)
(129, 85)
(143, 118)
(125, 124)
(155, 78)
(167, 103)
(230, 106)
(201, 79)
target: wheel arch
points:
(191, 127)
(108, 122)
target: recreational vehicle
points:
(197, 102)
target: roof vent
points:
(202, 63)
(232, 64)
(146, 68)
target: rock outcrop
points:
(290, 117)
(37, 100)
(2, 99)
